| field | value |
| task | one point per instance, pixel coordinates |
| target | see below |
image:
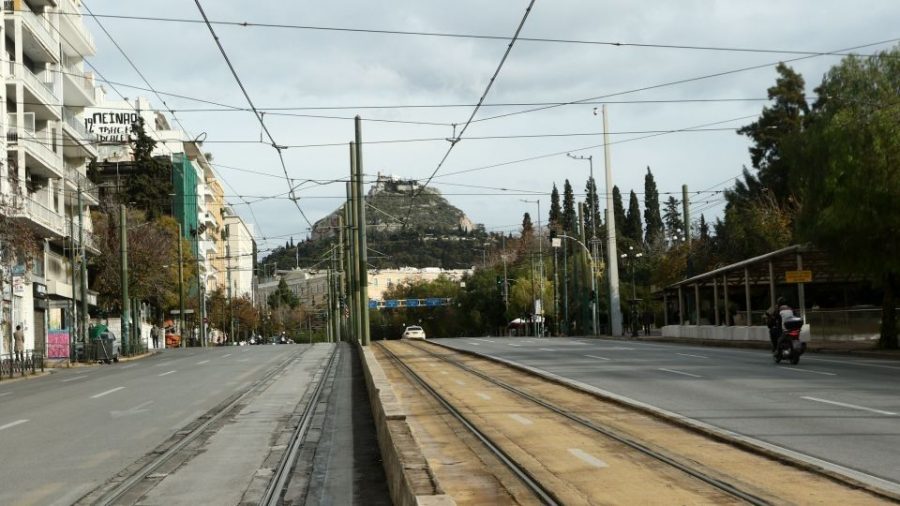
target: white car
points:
(414, 332)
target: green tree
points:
(592, 218)
(555, 218)
(672, 219)
(776, 126)
(846, 168)
(652, 219)
(632, 228)
(568, 215)
(618, 211)
(150, 186)
(283, 296)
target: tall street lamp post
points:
(595, 308)
(631, 256)
(593, 274)
(539, 308)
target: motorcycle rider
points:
(784, 312)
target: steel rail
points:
(546, 496)
(127, 484)
(630, 442)
(281, 477)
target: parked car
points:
(414, 332)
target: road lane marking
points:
(203, 362)
(460, 383)
(166, 373)
(810, 371)
(587, 457)
(851, 406)
(515, 345)
(475, 344)
(598, 357)
(129, 366)
(521, 419)
(163, 364)
(484, 396)
(689, 355)
(854, 363)
(111, 390)
(76, 378)
(226, 355)
(680, 372)
(4, 394)
(546, 349)
(12, 424)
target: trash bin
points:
(105, 347)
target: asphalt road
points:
(64, 434)
(841, 409)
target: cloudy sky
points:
(303, 70)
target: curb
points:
(410, 479)
(846, 476)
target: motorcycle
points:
(790, 347)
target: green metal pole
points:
(83, 267)
(354, 246)
(123, 250)
(73, 319)
(180, 287)
(361, 241)
(342, 288)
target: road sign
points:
(798, 276)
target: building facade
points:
(43, 179)
(240, 256)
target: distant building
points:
(241, 256)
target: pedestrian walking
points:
(19, 338)
(154, 335)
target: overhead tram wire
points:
(451, 35)
(457, 137)
(172, 112)
(680, 81)
(278, 149)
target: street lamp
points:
(595, 308)
(541, 253)
(632, 256)
(593, 277)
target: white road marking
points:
(475, 344)
(76, 378)
(597, 357)
(851, 406)
(680, 372)
(166, 373)
(546, 349)
(521, 419)
(129, 366)
(226, 355)
(4, 394)
(810, 371)
(587, 457)
(203, 362)
(514, 345)
(689, 355)
(101, 394)
(13, 424)
(163, 364)
(854, 362)
(484, 396)
(460, 383)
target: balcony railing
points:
(72, 12)
(37, 143)
(84, 80)
(45, 85)
(39, 25)
(77, 124)
(44, 216)
(79, 179)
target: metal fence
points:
(12, 365)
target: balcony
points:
(39, 155)
(47, 219)
(77, 40)
(76, 179)
(80, 143)
(37, 40)
(41, 91)
(78, 85)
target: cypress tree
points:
(592, 213)
(555, 212)
(568, 217)
(652, 218)
(632, 228)
(618, 210)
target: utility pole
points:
(228, 278)
(505, 280)
(82, 268)
(123, 251)
(686, 205)
(180, 287)
(615, 313)
(361, 231)
(342, 278)
(354, 246)
(73, 331)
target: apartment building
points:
(240, 255)
(43, 178)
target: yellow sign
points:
(798, 276)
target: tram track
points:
(729, 471)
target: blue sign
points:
(412, 302)
(393, 303)
(432, 302)
(373, 304)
